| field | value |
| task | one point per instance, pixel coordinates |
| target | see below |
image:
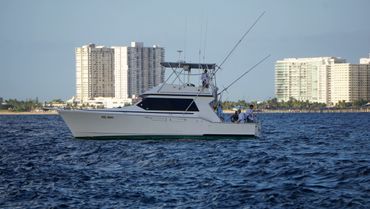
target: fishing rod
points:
(249, 70)
(237, 44)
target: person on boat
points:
(219, 111)
(205, 79)
(235, 117)
(249, 114)
(241, 117)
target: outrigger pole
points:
(249, 70)
(237, 44)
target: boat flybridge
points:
(169, 109)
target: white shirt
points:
(241, 118)
(205, 77)
(249, 114)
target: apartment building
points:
(322, 79)
(304, 78)
(137, 69)
(94, 72)
(115, 75)
(350, 82)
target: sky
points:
(38, 38)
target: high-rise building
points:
(137, 69)
(120, 72)
(304, 78)
(350, 82)
(94, 72)
(322, 79)
(115, 75)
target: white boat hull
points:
(83, 123)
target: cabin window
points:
(168, 104)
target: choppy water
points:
(301, 161)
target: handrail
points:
(196, 96)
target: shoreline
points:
(28, 113)
(315, 111)
(53, 112)
(308, 111)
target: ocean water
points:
(300, 161)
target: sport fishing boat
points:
(169, 109)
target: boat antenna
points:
(185, 37)
(205, 41)
(200, 42)
(237, 43)
(179, 51)
(249, 70)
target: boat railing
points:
(182, 68)
(225, 118)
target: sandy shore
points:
(28, 113)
